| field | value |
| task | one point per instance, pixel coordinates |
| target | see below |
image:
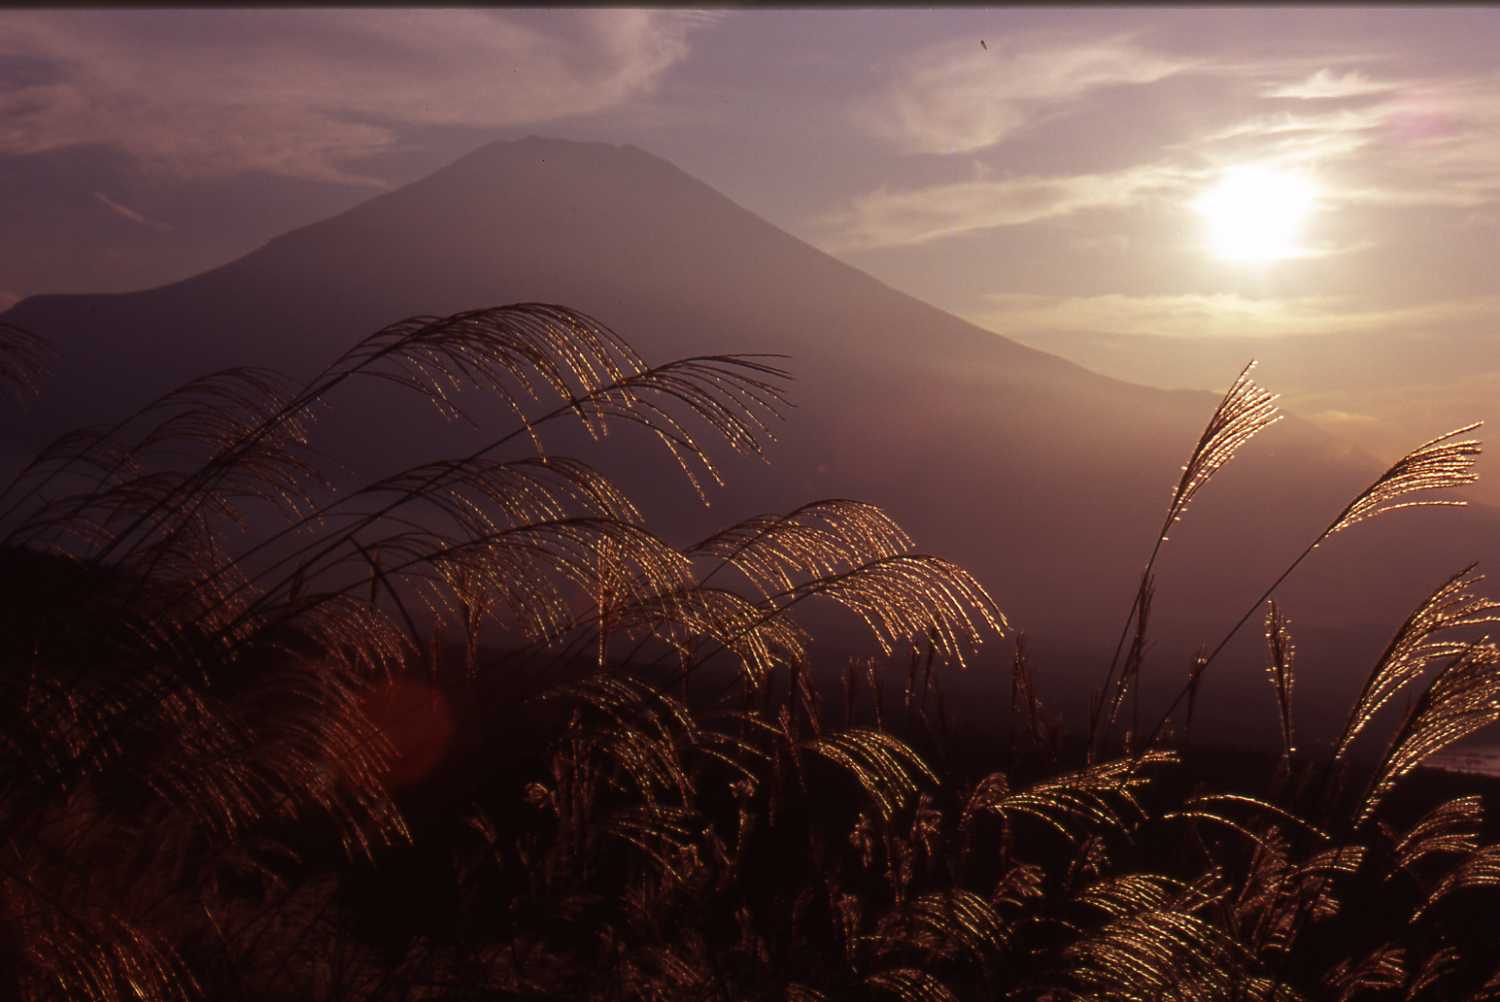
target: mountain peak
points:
(534, 150)
(1040, 475)
(599, 226)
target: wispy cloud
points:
(956, 98)
(1430, 142)
(1292, 136)
(887, 218)
(1326, 85)
(126, 212)
(308, 93)
(1340, 419)
(1374, 144)
(1221, 315)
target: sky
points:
(1048, 174)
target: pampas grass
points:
(1245, 411)
(198, 802)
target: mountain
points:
(1385, 400)
(1044, 478)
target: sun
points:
(1256, 213)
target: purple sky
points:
(1041, 185)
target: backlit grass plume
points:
(1157, 953)
(1245, 410)
(1280, 654)
(1442, 463)
(1451, 827)
(1383, 968)
(884, 766)
(23, 361)
(1462, 699)
(1422, 640)
(1480, 868)
(1100, 797)
(441, 735)
(771, 552)
(165, 657)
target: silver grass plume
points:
(668, 836)
(1384, 967)
(1439, 464)
(683, 621)
(1099, 796)
(1132, 893)
(1211, 807)
(904, 597)
(1481, 868)
(636, 728)
(1462, 699)
(253, 666)
(801, 993)
(1279, 893)
(910, 984)
(1438, 965)
(1281, 653)
(1451, 827)
(23, 361)
(91, 954)
(943, 923)
(911, 596)
(1417, 645)
(1490, 990)
(1157, 953)
(881, 763)
(1245, 410)
(849, 552)
(817, 539)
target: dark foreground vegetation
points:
(473, 731)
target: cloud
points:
(1221, 315)
(1344, 120)
(1425, 143)
(8, 299)
(126, 212)
(1294, 139)
(1374, 142)
(1342, 419)
(310, 92)
(1326, 85)
(1406, 143)
(954, 99)
(886, 218)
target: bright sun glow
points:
(1256, 213)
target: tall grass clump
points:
(473, 730)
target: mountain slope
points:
(1044, 478)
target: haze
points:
(293, 180)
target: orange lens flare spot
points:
(417, 720)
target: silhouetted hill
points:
(1044, 478)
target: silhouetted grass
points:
(472, 730)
